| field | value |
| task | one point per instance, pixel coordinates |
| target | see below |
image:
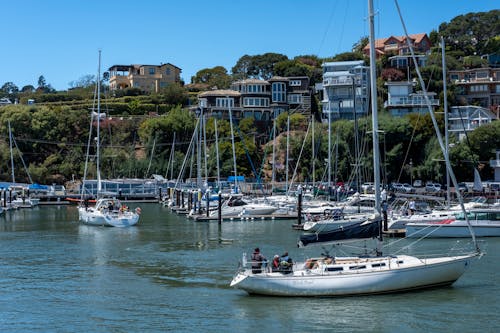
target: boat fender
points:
(138, 210)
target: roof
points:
(253, 81)
(220, 92)
(379, 43)
(123, 68)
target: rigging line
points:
(22, 159)
(343, 27)
(330, 20)
(438, 133)
(300, 154)
(250, 159)
(474, 161)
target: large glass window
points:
(255, 101)
(224, 102)
(279, 92)
(255, 88)
(295, 99)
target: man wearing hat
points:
(257, 260)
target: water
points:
(172, 274)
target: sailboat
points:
(108, 211)
(368, 274)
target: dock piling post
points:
(219, 208)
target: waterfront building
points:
(478, 86)
(464, 119)
(345, 90)
(148, 78)
(397, 45)
(402, 99)
(262, 100)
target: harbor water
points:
(172, 274)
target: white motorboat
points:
(238, 206)
(484, 221)
(357, 203)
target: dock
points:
(393, 233)
(204, 218)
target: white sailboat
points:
(372, 273)
(108, 211)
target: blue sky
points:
(60, 39)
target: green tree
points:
(213, 77)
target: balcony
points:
(337, 82)
(408, 101)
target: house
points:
(262, 100)
(397, 45)
(5, 101)
(402, 100)
(345, 90)
(463, 119)
(478, 86)
(149, 78)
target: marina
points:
(172, 273)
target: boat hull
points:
(108, 212)
(402, 273)
(452, 230)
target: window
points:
(255, 88)
(334, 269)
(151, 70)
(279, 92)
(295, 83)
(479, 88)
(167, 71)
(294, 99)
(379, 265)
(224, 102)
(357, 267)
(255, 101)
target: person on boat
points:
(412, 207)
(276, 263)
(258, 260)
(286, 263)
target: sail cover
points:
(357, 231)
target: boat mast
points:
(287, 151)
(98, 143)
(312, 155)
(11, 155)
(229, 100)
(273, 176)
(373, 93)
(445, 107)
(217, 154)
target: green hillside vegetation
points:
(53, 133)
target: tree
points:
(41, 82)
(213, 77)
(258, 66)
(471, 32)
(9, 89)
(84, 81)
(28, 89)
